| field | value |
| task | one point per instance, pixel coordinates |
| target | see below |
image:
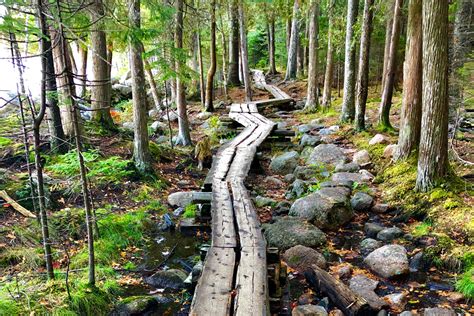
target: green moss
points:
(88, 300)
(422, 229)
(190, 211)
(9, 307)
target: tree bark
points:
(271, 45)
(244, 53)
(184, 137)
(233, 69)
(410, 119)
(292, 50)
(201, 71)
(433, 153)
(363, 74)
(328, 76)
(312, 99)
(209, 107)
(386, 103)
(100, 98)
(151, 81)
(141, 152)
(300, 53)
(83, 52)
(388, 35)
(348, 101)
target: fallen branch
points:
(4, 195)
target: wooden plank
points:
(213, 291)
(17, 207)
(223, 228)
(251, 283)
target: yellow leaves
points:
(123, 254)
(128, 280)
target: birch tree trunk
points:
(100, 98)
(292, 50)
(141, 152)
(209, 107)
(183, 137)
(312, 102)
(233, 69)
(433, 153)
(348, 101)
(244, 53)
(410, 119)
(328, 75)
(386, 103)
(363, 74)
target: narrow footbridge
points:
(234, 276)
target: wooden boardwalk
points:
(234, 276)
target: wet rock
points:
(285, 163)
(365, 287)
(368, 245)
(438, 312)
(326, 154)
(135, 305)
(169, 279)
(379, 139)
(344, 272)
(301, 258)
(297, 189)
(287, 232)
(309, 310)
(204, 115)
(389, 234)
(335, 184)
(388, 261)
(372, 229)
(397, 301)
(349, 176)
(389, 151)
(310, 140)
(262, 201)
(289, 178)
(327, 208)
(273, 182)
(380, 208)
(361, 201)
(347, 167)
(361, 157)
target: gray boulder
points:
(365, 287)
(296, 189)
(204, 115)
(379, 139)
(169, 279)
(183, 199)
(372, 229)
(158, 127)
(349, 176)
(388, 261)
(128, 125)
(309, 310)
(368, 245)
(361, 201)
(389, 234)
(309, 140)
(380, 208)
(135, 305)
(326, 154)
(335, 184)
(438, 312)
(289, 178)
(347, 167)
(328, 208)
(301, 258)
(287, 232)
(304, 172)
(262, 201)
(285, 163)
(361, 157)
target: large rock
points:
(326, 154)
(301, 258)
(262, 201)
(168, 279)
(158, 127)
(296, 189)
(365, 287)
(287, 232)
(347, 167)
(379, 139)
(397, 301)
(124, 90)
(335, 184)
(361, 201)
(361, 157)
(304, 172)
(388, 261)
(389, 234)
(285, 163)
(372, 229)
(389, 151)
(309, 140)
(328, 208)
(134, 306)
(438, 312)
(309, 310)
(368, 245)
(204, 115)
(183, 199)
(349, 176)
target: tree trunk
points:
(209, 107)
(244, 53)
(328, 76)
(141, 152)
(363, 74)
(233, 69)
(388, 35)
(271, 46)
(224, 58)
(83, 52)
(292, 50)
(201, 71)
(300, 54)
(433, 154)
(410, 119)
(184, 137)
(348, 101)
(100, 98)
(151, 81)
(386, 103)
(312, 102)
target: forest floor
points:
(131, 212)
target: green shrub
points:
(190, 211)
(466, 284)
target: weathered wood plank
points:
(223, 228)
(213, 291)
